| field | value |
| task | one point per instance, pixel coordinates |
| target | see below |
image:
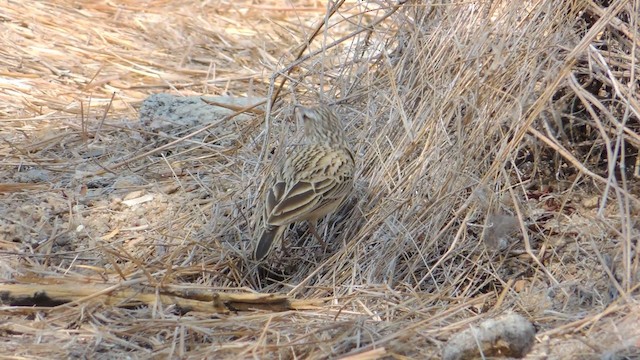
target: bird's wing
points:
(312, 184)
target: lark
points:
(312, 182)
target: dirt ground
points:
(130, 224)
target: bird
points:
(311, 182)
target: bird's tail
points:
(270, 235)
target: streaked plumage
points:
(312, 182)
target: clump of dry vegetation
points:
(497, 146)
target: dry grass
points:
(497, 148)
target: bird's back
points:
(308, 183)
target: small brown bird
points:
(312, 182)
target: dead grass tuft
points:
(497, 146)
